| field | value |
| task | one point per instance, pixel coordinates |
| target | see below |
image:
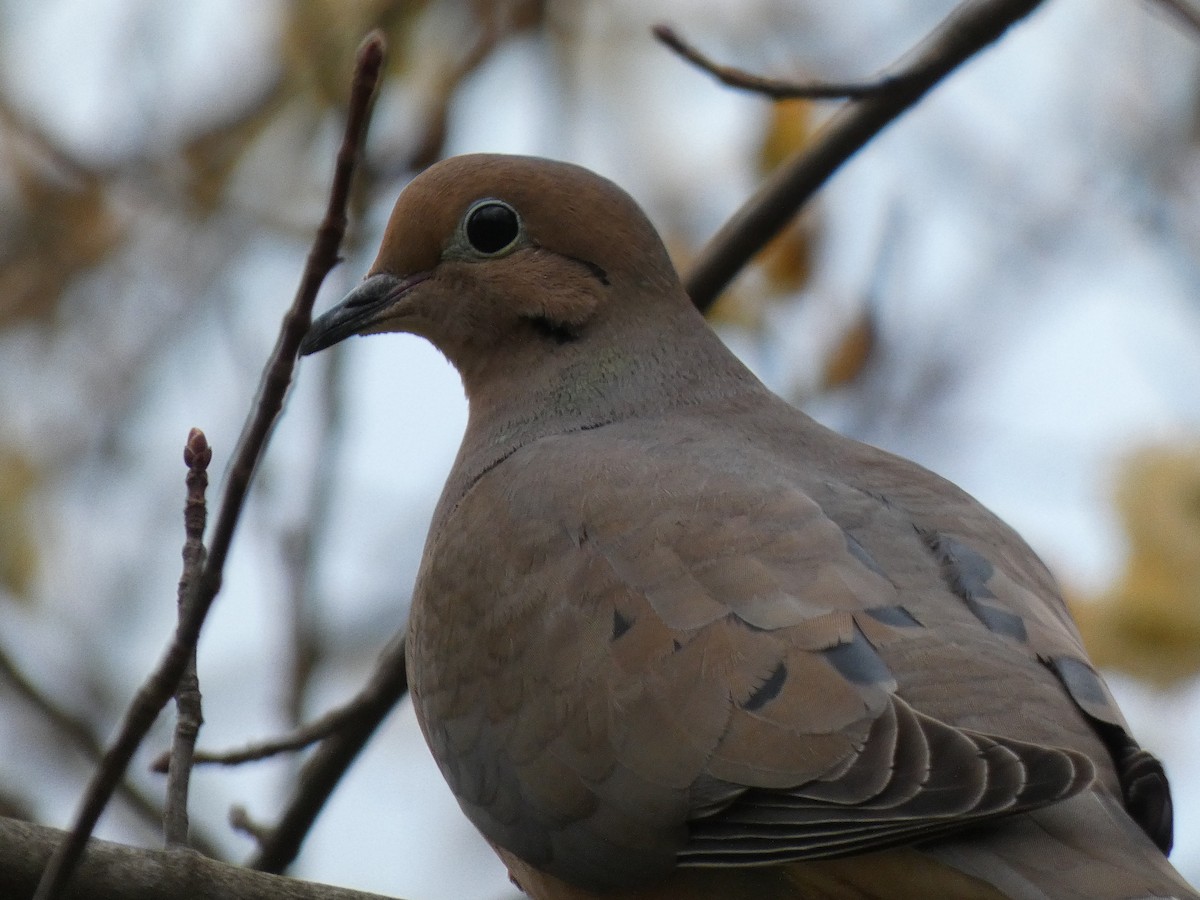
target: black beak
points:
(360, 309)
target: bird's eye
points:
(492, 226)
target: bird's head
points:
(488, 253)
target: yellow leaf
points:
(18, 550)
(1148, 624)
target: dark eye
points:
(492, 226)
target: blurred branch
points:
(116, 872)
(299, 547)
(1183, 11)
(323, 771)
(433, 136)
(431, 139)
(196, 455)
(292, 742)
(45, 146)
(240, 820)
(158, 688)
(971, 27)
(775, 88)
(80, 733)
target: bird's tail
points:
(1085, 848)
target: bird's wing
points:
(681, 656)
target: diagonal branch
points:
(159, 687)
(971, 27)
(1183, 11)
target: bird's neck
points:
(598, 380)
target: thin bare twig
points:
(776, 88)
(966, 31)
(332, 758)
(158, 688)
(179, 775)
(292, 742)
(196, 455)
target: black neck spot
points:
(559, 332)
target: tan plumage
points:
(673, 639)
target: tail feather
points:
(1084, 848)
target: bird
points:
(672, 638)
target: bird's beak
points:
(363, 307)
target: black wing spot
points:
(621, 624)
(896, 616)
(857, 661)
(859, 552)
(882, 499)
(768, 690)
(967, 572)
(1000, 621)
(1081, 682)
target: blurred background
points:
(1004, 286)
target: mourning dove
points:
(671, 638)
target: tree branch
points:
(117, 872)
(189, 717)
(159, 687)
(966, 31)
(292, 742)
(775, 88)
